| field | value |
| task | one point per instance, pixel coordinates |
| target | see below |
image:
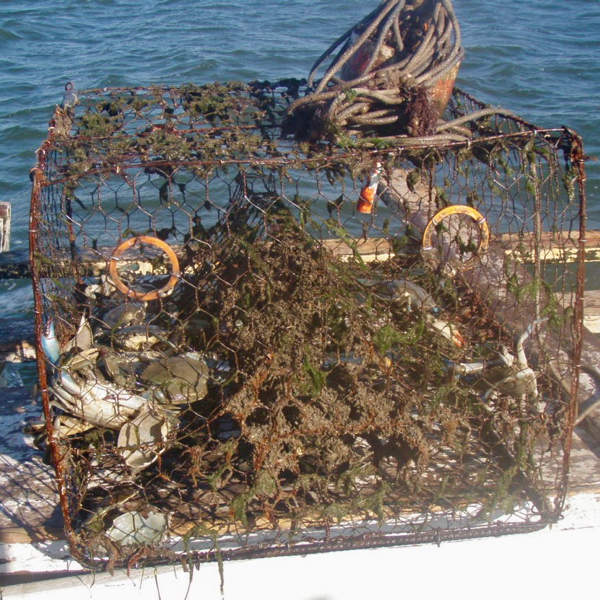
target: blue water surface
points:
(539, 58)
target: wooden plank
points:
(370, 249)
(555, 244)
(5, 221)
(554, 247)
(28, 494)
(584, 474)
(591, 309)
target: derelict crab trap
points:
(256, 346)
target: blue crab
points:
(508, 375)
(412, 298)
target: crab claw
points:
(448, 331)
(50, 343)
(407, 294)
(522, 383)
(101, 404)
(142, 439)
(465, 369)
(520, 347)
(83, 340)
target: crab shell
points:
(100, 403)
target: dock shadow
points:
(29, 505)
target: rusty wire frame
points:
(206, 171)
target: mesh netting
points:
(237, 361)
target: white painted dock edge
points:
(557, 562)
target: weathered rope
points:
(395, 69)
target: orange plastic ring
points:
(484, 232)
(144, 296)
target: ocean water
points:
(539, 58)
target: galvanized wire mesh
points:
(247, 364)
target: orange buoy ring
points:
(144, 296)
(456, 209)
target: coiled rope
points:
(395, 69)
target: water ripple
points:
(537, 58)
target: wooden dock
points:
(5, 222)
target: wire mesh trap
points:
(250, 345)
